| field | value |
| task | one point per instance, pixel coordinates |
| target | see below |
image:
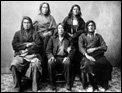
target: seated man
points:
(94, 64)
(60, 53)
(27, 61)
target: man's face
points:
(44, 8)
(60, 30)
(91, 27)
(26, 24)
(75, 10)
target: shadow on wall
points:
(106, 14)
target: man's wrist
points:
(85, 54)
(52, 57)
(26, 45)
(67, 57)
(98, 47)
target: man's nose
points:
(26, 24)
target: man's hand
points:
(90, 57)
(51, 59)
(65, 59)
(24, 52)
(49, 33)
(29, 44)
(90, 50)
(45, 34)
(69, 49)
(71, 35)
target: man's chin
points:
(26, 28)
(61, 34)
(91, 31)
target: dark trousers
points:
(101, 69)
(44, 57)
(16, 78)
(18, 75)
(77, 59)
(66, 67)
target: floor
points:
(7, 84)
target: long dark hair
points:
(87, 23)
(40, 8)
(71, 14)
(29, 19)
(32, 31)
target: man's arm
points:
(49, 49)
(36, 45)
(52, 26)
(102, 45)
(82, 49)
(71, 51)
(16, 44)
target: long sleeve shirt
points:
(21, 38)
(44, 24)
(70, 28)
(53, 47)
(85, 42)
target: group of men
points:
(42, 48)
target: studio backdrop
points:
(106, 14)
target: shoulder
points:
(82, 35)
(66, 18)
(50, 16)
(36, 18)
(67, 37)
(98, 35)
(81, 19)
(52, 37)
(18, 32)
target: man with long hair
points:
(27, 60)
(74, 27)
(94, 65)
(45, 24)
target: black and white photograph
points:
(60, 46)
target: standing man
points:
(45, 25)
(74, 27)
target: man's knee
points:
(50, 63)
(67, 62)
(17, 60)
